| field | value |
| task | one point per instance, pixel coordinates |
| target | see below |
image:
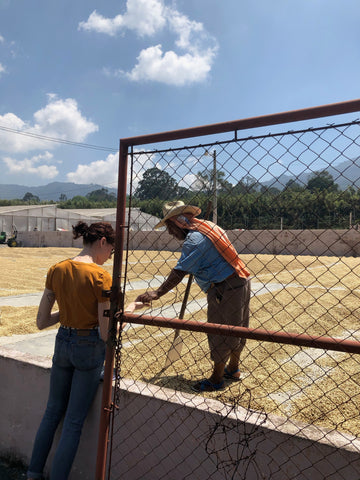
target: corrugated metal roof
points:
(16, 208)
(138, 220)
(92, 212)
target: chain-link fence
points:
(290, 204)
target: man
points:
(208, 254)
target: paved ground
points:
(41, 344)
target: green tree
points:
(293, 185)
(321, 181)
(269, 190)
(205, 182)
(157, 183)
(77, 202)
(101, 195)
(31, 198)
(248, 184)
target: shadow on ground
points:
(12, 469)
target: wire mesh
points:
(290, 203)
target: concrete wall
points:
(48, 239)
(286, 242)
(160, 431)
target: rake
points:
(174, 352)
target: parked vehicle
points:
(11, 241)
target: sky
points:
(87, 73)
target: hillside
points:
(52, 191)
(345, 174)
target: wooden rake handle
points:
(184, 302)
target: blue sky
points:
(93, 72)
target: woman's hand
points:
(135, 306)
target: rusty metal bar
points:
(297, 339)
(252, 122)
(115, 298)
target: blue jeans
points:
(75, 374)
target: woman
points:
(77, 285)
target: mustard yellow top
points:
(78, 289)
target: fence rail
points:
(300, 340)
(299, 364)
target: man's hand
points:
(147, 297)
(173, 279)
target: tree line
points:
(96, 199)
(250, 205)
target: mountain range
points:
(345, 174)
(51, 191)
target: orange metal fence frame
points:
(116, 299)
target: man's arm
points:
(173, 279)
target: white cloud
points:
(171, 68)
(188, 181)
(62, 119)
(30, 166)
(2, 69)
(189, 32)
(2, 39)
(145, 17)
(105, 172)
(102, 172)
(14, 142)
(98, 23)
(59, 119)
(150, 17)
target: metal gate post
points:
(106, 404)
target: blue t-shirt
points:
(200, 257)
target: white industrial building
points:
(45, 218)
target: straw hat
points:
(172, 209)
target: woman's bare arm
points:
(103, 321)
(44, 317)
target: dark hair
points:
(94, 232)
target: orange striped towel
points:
(222, 244)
